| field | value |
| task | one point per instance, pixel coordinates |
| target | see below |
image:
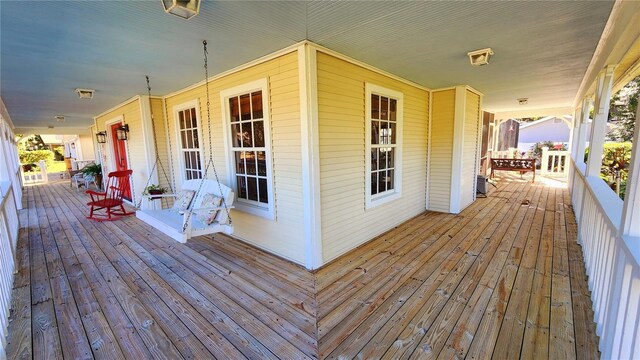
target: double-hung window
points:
(190, 150)
(383, 144)
(247, 118)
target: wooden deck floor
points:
(504, 279)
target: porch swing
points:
(202, 206)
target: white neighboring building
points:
(550, 128)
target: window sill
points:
(373, 202)
(264, 212)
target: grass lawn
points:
(56, 166)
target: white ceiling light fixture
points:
(185, 9)
(85, 93)
(523, 101)
(59, 118)
(480, 57)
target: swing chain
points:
(210, 160)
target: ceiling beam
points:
(525, 113)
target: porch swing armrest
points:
(213, 208)
(160, 196)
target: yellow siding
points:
(163, 168)
(341, 105)
(284, 236)
(441, 150)
(470, 148)
(136, 152)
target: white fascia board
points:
(458, 142)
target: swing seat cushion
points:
(208, 201)
(183, 200)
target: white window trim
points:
(379, 199)
(263, 210)
(181, 166)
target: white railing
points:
(612, 263)
(9, 226)
(554, 162)
(34, 177)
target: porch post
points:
(631, 209)
(581, 141)
(599, 125)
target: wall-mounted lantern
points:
(121, 132)
(101, 137)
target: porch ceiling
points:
(49, 48)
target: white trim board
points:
(457, 148)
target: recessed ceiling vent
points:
(50, 127)
(59, 118)
(480, 57)
(523, 101)
(85, 93)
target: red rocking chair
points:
(117, 187)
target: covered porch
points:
(504, 279)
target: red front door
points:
(120, 154)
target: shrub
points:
(33, 157)
(615, 164)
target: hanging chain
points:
(155, 147)
(210, 160)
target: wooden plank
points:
(74, 342)
(586, 340)
(19, 331)
(562, 336)
(149, 328)
(362, 306)
(536, 336)
(483, 342)
(102, 339)
(46, 340)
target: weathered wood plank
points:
(19, 339)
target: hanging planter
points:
(154, 190)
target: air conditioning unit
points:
(483, 185)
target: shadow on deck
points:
(503, 279)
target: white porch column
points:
(575, 132)
(631, 209)
(581, 140)
(599, 125)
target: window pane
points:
(374, 183)
(183, 139)
(196, 143)
(246, 135)
(242, 187)
(181, 117)
(194, 121)
(382, 158)
(391, 158)
(375, 132)
(392, 109)
(264, 195)
(390, 183)
(239, 162)
(252, 188)
(245, 107)
(374, 159)
(187, 160)
(194, 160)
(234, 109)
(392, 132)
(384, 132)
(250, 161)
(262, 163)
(375, 107)
(382, 181)
(256, 104)
(187, 118)
(384, 108)
(197, 155)
(258, 134)
(189, 135)
(236, 135)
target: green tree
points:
(622, 110)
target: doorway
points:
(119, 152)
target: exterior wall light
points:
(121, 132)
(185, 9)
(101, 137)
(480, 57)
